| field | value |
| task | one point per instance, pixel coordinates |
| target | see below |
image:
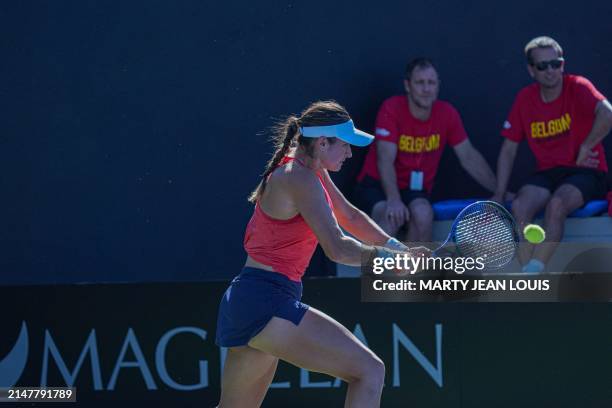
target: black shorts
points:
(369, 191)
(590, 182)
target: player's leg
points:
(565, 199)
(321, 344)
(581, 186)
(247, 374)
(421, 220)
(529, 200)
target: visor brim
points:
(356, 138)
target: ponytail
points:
(285, 134)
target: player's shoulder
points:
(299, 175)
(294, 179)
(288, 172)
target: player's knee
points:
(376, 374)
(519, 209)
(556, 208)
(371, 372)
(389, 227)
(378, 211)
(422, 214)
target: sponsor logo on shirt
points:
(415, 144)
(551, 128)
(382, 132)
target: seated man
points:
(399, 170)
(564, 119)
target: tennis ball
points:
(534, 233)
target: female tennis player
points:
(261, 318)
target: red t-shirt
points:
(419, 143)
(555, 130)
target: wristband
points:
(395, 245)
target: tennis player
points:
(261, 318)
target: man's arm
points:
(601, 127)
(473, 162)
(505, 161)
(386, 152)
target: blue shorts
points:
(252, 299)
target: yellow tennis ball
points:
(534, 233)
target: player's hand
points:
(397, 213)
(420, 251)
(416, 252)
(587, 157)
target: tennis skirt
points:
(251, 300)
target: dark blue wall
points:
(131, 131)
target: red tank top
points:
(285, 245)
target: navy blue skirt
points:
(251, 300)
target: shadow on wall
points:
(590, 277)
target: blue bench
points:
(449, 209)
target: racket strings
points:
(491, 251)
(487, 232)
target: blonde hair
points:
(542, 42)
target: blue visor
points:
(344, 131)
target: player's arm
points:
(308, 197)
(602, 124)
(352, 219)
(386, 152)
(505, 162)
(473, 162)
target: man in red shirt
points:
(399, 170)
(564, 119)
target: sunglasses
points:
(554, 64)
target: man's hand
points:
(397, 213)
(587, 157)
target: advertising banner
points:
(153, 344)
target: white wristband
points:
(396, 245)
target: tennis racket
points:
(483, 229)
